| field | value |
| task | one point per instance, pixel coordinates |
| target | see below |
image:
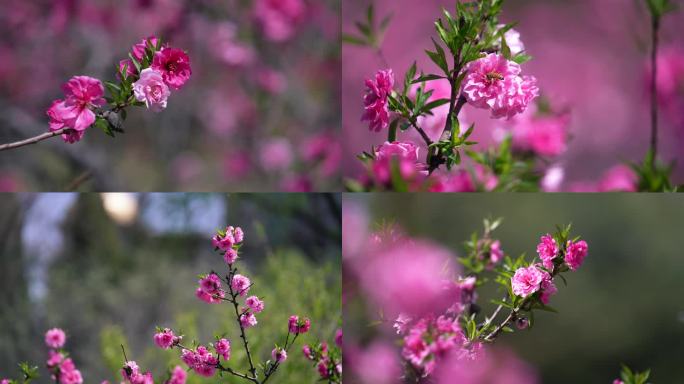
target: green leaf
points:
(424, 78)
(349, 39)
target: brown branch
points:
(233, 300)
(33, 140)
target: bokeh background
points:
(589, 56)
(109, 268)
(261, 111)
(622, 306)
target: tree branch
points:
(33, 140)
(233, 300)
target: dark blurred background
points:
(623, 306)
(108, 268)
(589, 56)
(260, 112)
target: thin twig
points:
(33, 140)
(234, 295)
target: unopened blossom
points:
(165, 339)
(210, 283)
(494, 83)
(338, 338)
(308, 353)
(174, 66)
(55, 338)
(223, 348)
(128, 65)
(527, 281)
(279, 355)
(547, 249)
(230, 256)
(375, 102)
(240, 284)
(323, 368)
(138, 50)
(495, 252)
(248, 320)
(575, 253)
(151, 89)
(255, 304)
(279, 18)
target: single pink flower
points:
(493, 82)
(82, 94)
(254, 304)
(59, 115)
(223, 348)
(210, 284)
(165, 339)
(240, 284)
(279, 355)
(376, 102)
(71, 377)
(323, 368)
(55, 338)
(230, 256)
(151, 89)
(54, 359)
(297, 325)
(527, 281)
(547, 249)
(174, 66)
(575, 253)
(248, 320)
(209, 298)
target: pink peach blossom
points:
(151, 90)
(240, 284)
(375, 101)
(174, 66)
(248, 320)
(620, 178)
(279, 18)
(255, 304)
(279, 355)
(55, 338)
(575, 254)
(527, 281)
(547, 249)
(223, 348)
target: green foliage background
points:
(623, 306)
(111, 285)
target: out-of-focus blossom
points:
(402, 154)
(271, 81)
(276, 154)
(279, 18)
(619, 178)
(513, 40)
(492, 367)
(553, 179)
(378, 363)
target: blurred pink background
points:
(588, 55)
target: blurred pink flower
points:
(151, 90)
(544, 135)
(619, 178)
(553, 179)
(464, 180)
(279, 355)
(492, 367)
(236, 165)
(323, 147)
(296, 183)
(174, 66)
(228, 48)
(271, 81)
(406, 276)
(513, 40)
(178, 375)
(55, 338)
(279, 18)
(276, 154)
(377, 364)
(375, 101)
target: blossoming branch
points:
(480, 64)
(145, 78)
(209, 359)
